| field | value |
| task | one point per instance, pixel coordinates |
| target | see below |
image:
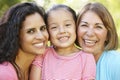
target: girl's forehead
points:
(60, 12)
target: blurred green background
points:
(112, 5)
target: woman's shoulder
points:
(110, 56)
(7, 71)
(5, 65)
(112, 53)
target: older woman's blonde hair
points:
(105, 16)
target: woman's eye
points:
(100, 27)
(31, 31)
(53, 27)
(43, 28)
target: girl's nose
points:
(62, 30)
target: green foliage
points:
(5, 4)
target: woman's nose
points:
(90, 32)
(39, 35)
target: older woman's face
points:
(92, 33)
(33, 35)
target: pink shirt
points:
(78, 66)
(7, 72)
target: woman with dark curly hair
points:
(23, 35)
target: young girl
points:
(63, 61)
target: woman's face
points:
(33, 35)
(62, 28)
(92, 33)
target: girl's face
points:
(33, 35)
(92, 33)
(62, 28)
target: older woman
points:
(97, 34)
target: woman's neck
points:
(97, 56)
(24, 60)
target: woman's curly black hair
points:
(10, 25)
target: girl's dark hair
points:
(57, 7)
(10, 25)
(61, 6)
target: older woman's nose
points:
(90, 32)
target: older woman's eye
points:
(99, 27)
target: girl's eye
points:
(43, 28)
(53, 27)
(31, 31)
(83, 25)
(68, 25)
